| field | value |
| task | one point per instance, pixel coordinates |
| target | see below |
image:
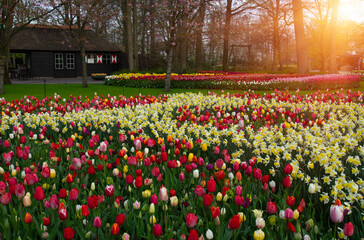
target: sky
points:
(352, 10)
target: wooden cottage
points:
(51, 51)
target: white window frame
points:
(70, 60)
(58, 61)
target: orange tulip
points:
(28, 218)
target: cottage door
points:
(64, 65)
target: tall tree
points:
(79, 14)
(200, 25)
(229, 13)
(126, 7)
(301, 43)
(335, 7)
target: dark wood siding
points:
(42, 64)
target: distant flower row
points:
(237, 81)
(183, 166)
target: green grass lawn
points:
(18, 91)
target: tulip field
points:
(183, 166)
(237, 81)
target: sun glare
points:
(352, 10)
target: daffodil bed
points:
(237, 81)
(241, 166)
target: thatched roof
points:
(58, 38)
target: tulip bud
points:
(92, 186)
(296, 214)
(195, 173)
(152, 220)
(209, 234)
(151, 208)
(217, 221)
(88, 234)
(219, 196)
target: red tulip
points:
(234, 222)
(138, 181)
(46, 221)
(199, 191)
(191, 220)
(193, 235)
(109, 190)
(115, 229)
(348, 229)
(5, 198)
(265, 179)
(239, 200)
(291, 227)
(69, 178)
(211, 186)
(23, 139)
(85, 211)
(93, 202)
(120, 219)
(68, 233)
(53, 201)
(215, 211)
(271, 207)
(39, 193)
(290, 200)
(62, 214)
(74, 194)
(28, 218)
(46, 171)
(129, 179)
(257, 173)
(287, 182)
(288, 169)
(97, 222)
(62, 193)
(157, 230)
(207, 200)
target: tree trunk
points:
(83, 62)
(301, 44)
(135, 37)
(323, 66)
(129, 34)
(183, 45)
(1, 74)
(275, 43)
(153, 54)
(199, 46)
(335, 6)
(169, 70)
(225, 57)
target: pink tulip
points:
(97, 222)
(154, 199)
(5, 198)
(348, 229)
(163, 194)
(288, 214)
(19, 190)
(337, 213)
(191, 220)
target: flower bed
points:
(237, 81)
(181, 166)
